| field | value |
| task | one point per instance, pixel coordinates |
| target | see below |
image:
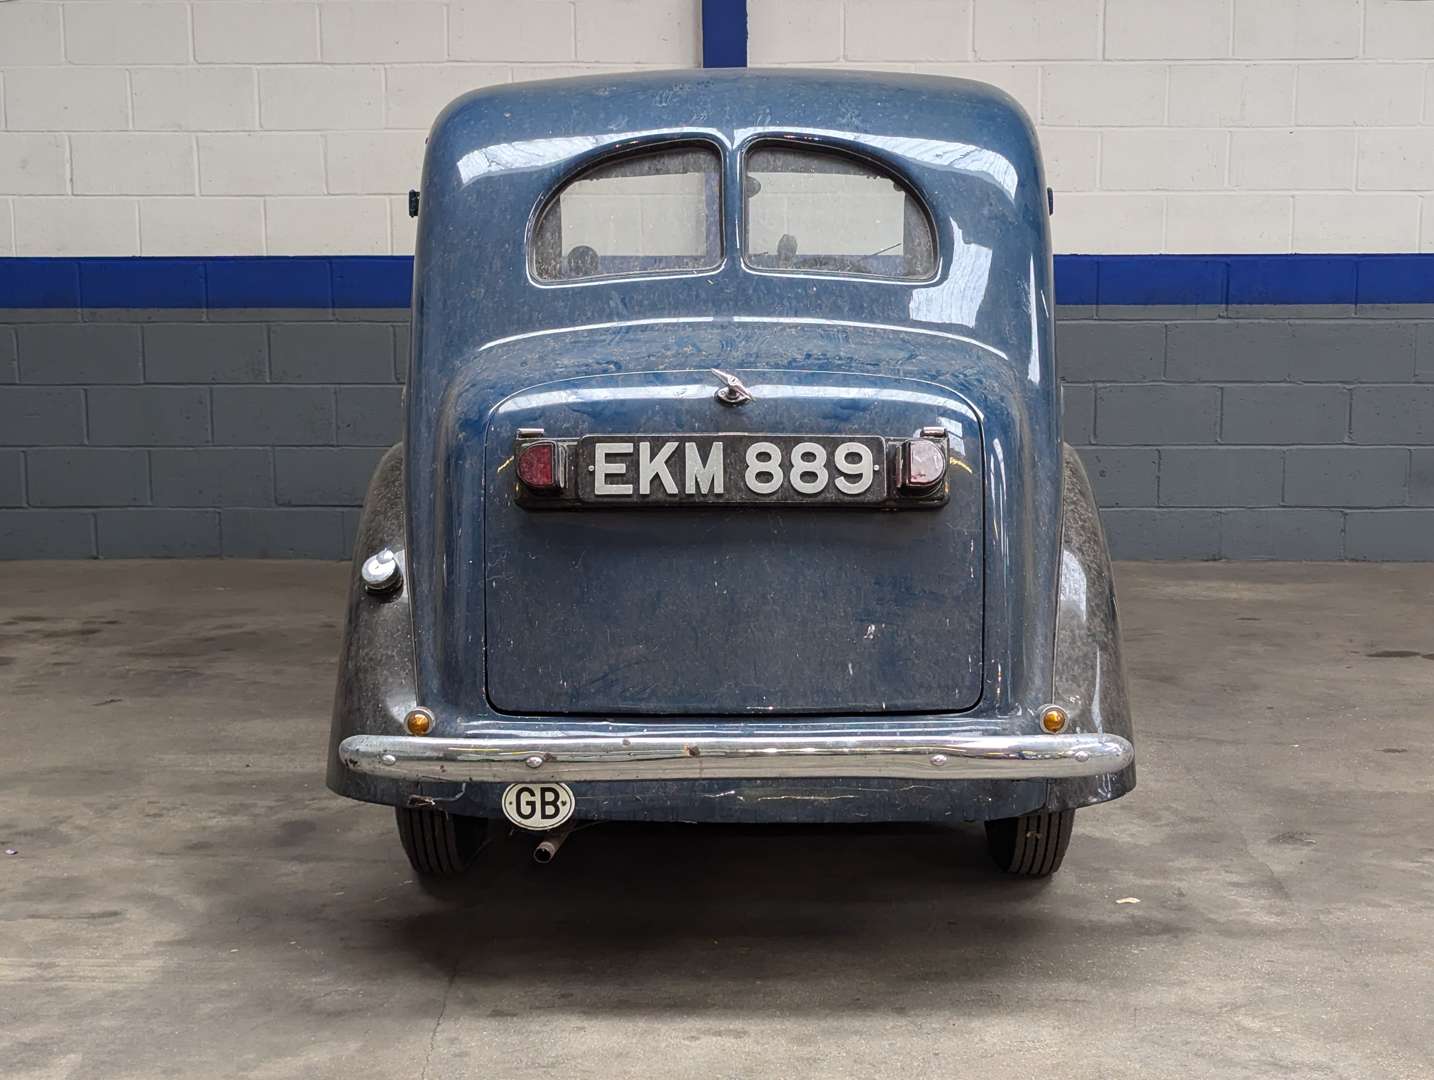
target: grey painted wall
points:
(249, 434)
(1285, 433)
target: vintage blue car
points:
(732, 487)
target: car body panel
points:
(663, 591)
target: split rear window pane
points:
(642, 213)
(822, 211)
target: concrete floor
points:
(187, 900)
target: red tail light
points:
(540, 465)
(923, 463)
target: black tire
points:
(438, 844)
(1032, 845)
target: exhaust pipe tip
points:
(547, 849)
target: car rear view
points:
(732, 486)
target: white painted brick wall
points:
(104, 32)
(1231, 95)
(1103, 95)
(1108, 223)
(326, 225)
(1168, 30)
(382, 31)
(296, 126)
(57, 225)
(261, 163)
(1360, 94)
(1291, 29)
(1289, 159)
(660, 32)
(1034, 29)
(32, 35)
(940, 30)
(32, 164)
(255, 33)
(1072, 158)
(1396, 160)
(132, 163)
(194, 98)
(1400, 31)
(205, 226)
(502, 30)
(321, 98)
(1355, 222)
(794, 31)
(1142, 159)
(65, 99)
(1235, 223)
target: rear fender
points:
(375, 684)
(1089, 674)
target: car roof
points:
(975, 125)
(707, 96)
(967, 150)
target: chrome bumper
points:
(690, 756)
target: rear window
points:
(822, 211)
(642, 213)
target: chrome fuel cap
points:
(380, 571)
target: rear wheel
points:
(1031, 845)
(439, 844)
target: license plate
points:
(538, 806)
(731, 469)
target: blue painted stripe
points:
(377, 281)
(1293, 279)
(259, 283)
(374, 281)
(340, 281)
(724, 33)
(1395, 279)
(1128, 279)
(1077, 279)
(1235, 280)
(39, 283)
(142, 283)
